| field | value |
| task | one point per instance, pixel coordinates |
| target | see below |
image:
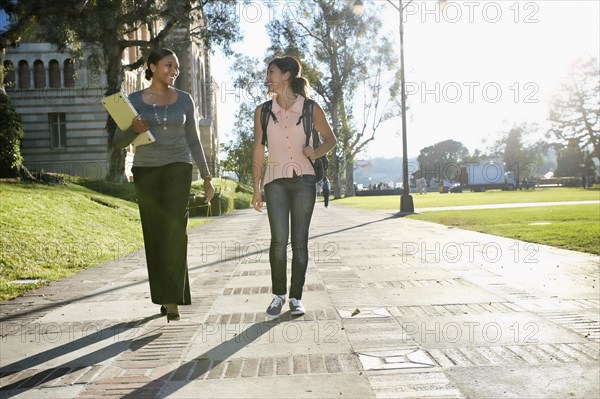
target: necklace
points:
(164, 119)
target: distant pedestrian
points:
(325, 188)
(162, 173)
(289, 179)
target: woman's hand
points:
(209, 190)
(309, 152)
(139, 125)
(257, 201)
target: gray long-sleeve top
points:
(180, 142)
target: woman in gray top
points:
(162, 173)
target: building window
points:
(69, 73)
(24, 77)
(9, 77)
(54, 73)
(39, 75)
(58, 130)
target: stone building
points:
(64, 122)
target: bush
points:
(232, 195)
(11, 134)
(242, 202)
(242, 188)
(125, 191)
(54, 178)
(570, 182)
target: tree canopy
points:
(574, 112)
(108, 24)
(341, 53)
(441, 160)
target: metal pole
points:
(406, 200)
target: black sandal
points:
(173, 316)
(163, 310)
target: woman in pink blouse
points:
(289, 179)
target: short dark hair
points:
(292, 65)
(154, 57)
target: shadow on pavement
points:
(92, 358)
(208, 360)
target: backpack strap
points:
(265, 113)
(306, 119)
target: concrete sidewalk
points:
(395, 308)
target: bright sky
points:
(471, 72)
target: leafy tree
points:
(478, 156)
(22, 18)
(574, 112)
(518, 158)
(11, 161)
(523, 159)
(441, 160)
(340, 51)
(108, 23)
(239, 150)
(248, 77)
(570, 160)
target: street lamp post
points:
(406, 200)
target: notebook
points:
(121, 110)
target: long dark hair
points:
(291, 64)
(154, 57)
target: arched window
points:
(69, 68)
(24, 77)
(54, 73)
(39, 74)
(9, 78)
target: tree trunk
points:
(349, 179)
(337, 181)
(114, 77)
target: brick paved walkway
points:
(395, 308)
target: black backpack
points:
(321, 164)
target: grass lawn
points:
(51, 231)
(430, 200)
(575, 227)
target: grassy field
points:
(430, 200)
(574, 227)
(50, 231)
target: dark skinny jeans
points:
(290, 199)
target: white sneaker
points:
(296, 307)
(274, 309)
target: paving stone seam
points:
(270, 366)
(265, 289)
(516, 355)
(259, 317)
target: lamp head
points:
(358, 8)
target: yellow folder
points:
(121, 110)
